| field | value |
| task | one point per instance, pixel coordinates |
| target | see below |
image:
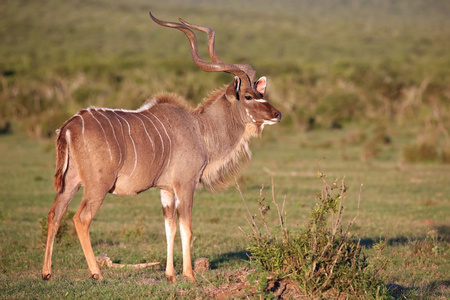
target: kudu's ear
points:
(237, 86)
(233, 89)
(261, 85)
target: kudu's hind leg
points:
(91, 202)
(170, 222)
(56, 213)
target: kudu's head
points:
(246, 95)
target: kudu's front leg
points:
(170, 222)
(184, 202)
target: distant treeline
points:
(328, 62)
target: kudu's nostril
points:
(278, 115)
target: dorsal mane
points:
(170, 98)
(212, 96)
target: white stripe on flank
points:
(103, 130)
(148, 135)
(132, 141)
(140, 111)
(162, 141)
(170, 141)
(115, 137)
(82, 127)
(123, 135)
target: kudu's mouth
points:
(274, 120)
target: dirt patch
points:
(284, 289)
(238, 286)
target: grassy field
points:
(363, 88)
(407, 205)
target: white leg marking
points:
(167, 200)
(148, 135)
(103, 130)
(132, 141)
(115, 137)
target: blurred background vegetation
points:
(383, 65)
(363, 87)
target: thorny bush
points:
(322, 258)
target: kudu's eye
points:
(248, 97)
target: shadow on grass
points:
(241, 255)
(438, 289)
(400, 240)
(443, 233)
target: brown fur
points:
(61, 154)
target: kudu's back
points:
(130, 151)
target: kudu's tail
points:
(62, 153)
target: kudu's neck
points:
(226, 138)
(222, 127)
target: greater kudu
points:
(163, 144)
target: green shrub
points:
(446, 155)
(66, 232)
(420, 152)
(323, 258)
(339, 108)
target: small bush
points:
(446, 155)
(428, 246)
(5, 126)
(135, 231)
(420, 152)
(323, 259)
(66, 233)
(338, 108)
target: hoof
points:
(47, 277)
(190, 278)
(97, 276)
(171, 278)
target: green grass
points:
(379, 71)
(400, 203)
